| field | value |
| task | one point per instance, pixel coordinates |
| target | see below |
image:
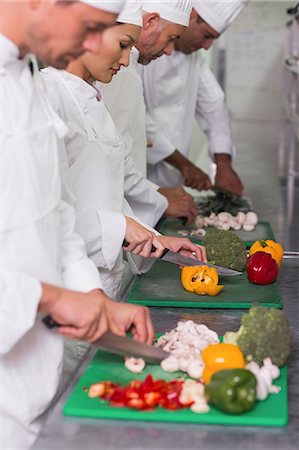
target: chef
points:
(93, 157)
(44, 268)
(181, 87)
(163, 22)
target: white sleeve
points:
(103, 231)
(79, 272)
(142, 195)
(17, 316)
(212, 113)
(162, 145)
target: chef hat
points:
(177, 11)
(113, 6)
(131, 13)
(219, 14)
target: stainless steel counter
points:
(68, 433)
(277, 205)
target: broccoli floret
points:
(264, 333)
(225, 249)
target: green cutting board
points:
(161, 286)
(263, 230)
(107, 367)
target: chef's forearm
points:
(222, 159)
(177, 160)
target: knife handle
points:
(166, 250)
(184, 220)
(50, 322)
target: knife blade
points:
(124, 346)
(181, 260)
(121, 345)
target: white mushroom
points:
(195, 369)
(241, 217)
(200, 407)
(236, 225)
(251, 217)
(264, 376)
(135, 365)
(248, 226)
(170, 364)
(224, 226)
(224, 217)
(199, 221)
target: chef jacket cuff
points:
(221, 146)
(160, 151)
(82, 276)
(113, 225)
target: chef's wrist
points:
(223, 159)
(177, 160)
(51, 295)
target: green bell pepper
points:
(232, 390)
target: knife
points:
(121, 345)
(181, 260)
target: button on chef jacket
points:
(38, 244)
(125, 102)
(92, 155)
(177, 89)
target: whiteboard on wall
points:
(254, 64)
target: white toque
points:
(131, 13)
(219, 14)
(176, 11)
(113, 6)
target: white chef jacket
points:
(125, 102)
(93, 158)
(178, 88)
(38, 245)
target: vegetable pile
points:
(150, 394)
(222, 201)
(264, 333)
(231, 375)
(225, 249)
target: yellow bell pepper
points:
(202, 280)
(268, 246)
(219, 357)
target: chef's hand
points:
(83, 316)
(133, 318)
(141, 239)
(195, 177)
(185, 247)
(226, 177)
(180, 204)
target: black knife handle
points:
(184, 220)
(50, 322)
(166, 250)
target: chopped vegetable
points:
(261, 268)
(222, 201)
(225, 249)
(202, 280)
(269, 246)
(185, 344)
(221, 356)
(265, 376)
(232, 390)
(143, 395)
(264, 333)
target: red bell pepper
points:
(261, 268)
